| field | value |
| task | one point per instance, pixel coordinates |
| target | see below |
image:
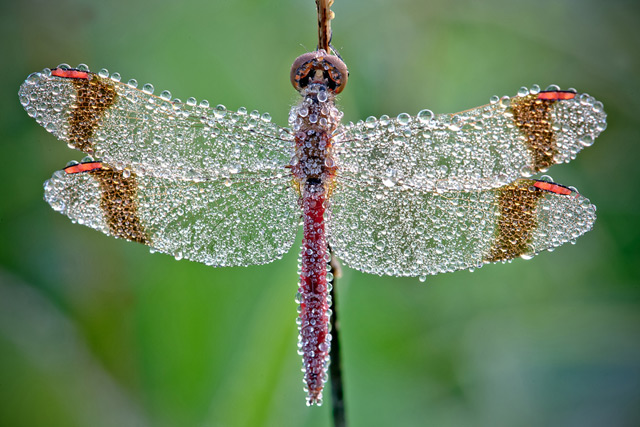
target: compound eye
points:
(319, 67)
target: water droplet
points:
(586, 99)
(456, 123)
(33, 78)
(370, 122)
(425, 116)
(598, 107)
(403, 119)
(527, 171)
(527, 255)
(586, 140)
(388, 182)
(148, 88)
(104, 73)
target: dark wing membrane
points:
(396, 232)
(481, 148)
(219, 223)
(154, 135)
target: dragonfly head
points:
(319, 67)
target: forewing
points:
(411, 232)
(153, 135)
(218, 223)
(482, 148)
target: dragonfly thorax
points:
(314, 121)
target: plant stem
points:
(335, 367)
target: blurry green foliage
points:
(95, 331)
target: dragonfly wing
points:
(482, 148)
(409, 232)
(134, 129)
(219, 223)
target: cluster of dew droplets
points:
(159, 135)
(314, 340)
(563, 219)
(224, 143)
(164, 143)
(49, 100)
(314, 120)
(419, 210)
(412, 233)
(206, 222)
(316, 109)
(478, 148)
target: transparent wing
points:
(218, 223)
(147, 134)
(409, 232)
(482, 148)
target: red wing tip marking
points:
(553, 188)
(556, 95)
(83, 167)
(70, 73)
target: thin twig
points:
(325, 15)
(335, 368)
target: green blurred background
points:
(98, 332)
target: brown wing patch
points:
(531, 115)
(517, 220)
(119, 204)
(94, 96)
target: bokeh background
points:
(98, 332)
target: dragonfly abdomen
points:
(314, 338)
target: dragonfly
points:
(412, 195)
